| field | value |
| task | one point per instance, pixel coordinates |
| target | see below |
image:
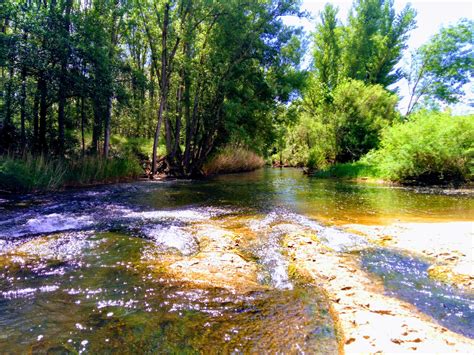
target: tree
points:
(327, 48)
(360, 113)
(195, 75)
(374, 41)
(439, 68)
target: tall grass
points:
(38, 173)
(233, 160)
(31, 173)
(95, 170)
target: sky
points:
(431, 16)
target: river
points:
(196, 265)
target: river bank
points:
(371, 321)
(447, 246)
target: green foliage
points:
(327, 48)
(359, 113)
(201, 74)
(430, 148)
(30, 174)
(308, 142)
(439, 69)
(356, 170)
(374, 41)
(340, 131)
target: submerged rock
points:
(172, 237)
(217, 264)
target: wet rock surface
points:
(371, 320)
(448, 247)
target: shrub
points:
(343, 129)
(359, 113)
(310, 143)
(233, 160)
(358, 169)
(428, 148)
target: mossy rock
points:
(445, 274)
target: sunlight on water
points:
(91, 270)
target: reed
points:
(233, 160)
(39, 173)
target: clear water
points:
(407, 278)
(74, 273)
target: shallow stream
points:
(196, 266)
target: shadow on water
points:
(407, 278)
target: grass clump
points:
(31, 173)
(429, 148)
(233, 160)
(38, 173)
(93, 170)
(355, 170)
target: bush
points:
(233, 160)
(359, 169)
(359, 113)
(429, 148)
(343, 129)
(309, 143)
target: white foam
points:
(181, 215)
(172, 237)
(54, 222)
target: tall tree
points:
(441, 67)
(327, 47)
(374, 41)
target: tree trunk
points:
(97, 128)
(35, 118)
(9, 97)
(164, 86)
(108, 110)
(108, 113)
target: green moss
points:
(298, 275)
